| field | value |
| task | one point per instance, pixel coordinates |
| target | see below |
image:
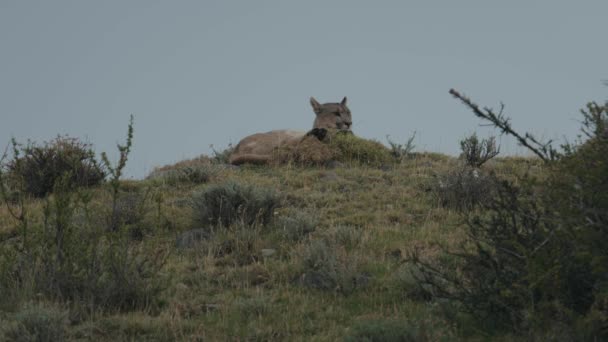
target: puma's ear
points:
(343, 101)
(316, 106)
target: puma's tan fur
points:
(260, 147)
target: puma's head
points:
(332, 115)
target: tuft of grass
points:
(194, 171)
(353, 149)
(324, 268)
(463, 188)
(297, 225)
(392, 330)
(35, 323)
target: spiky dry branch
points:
(544, 151)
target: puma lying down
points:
(263, 148)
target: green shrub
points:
(35, 323)
(230, 202)
(475, 152)
(36, 168)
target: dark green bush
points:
(230, 202)
(36, 168)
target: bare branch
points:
(543, 151)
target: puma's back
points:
(259, 148)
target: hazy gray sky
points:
(196, 73)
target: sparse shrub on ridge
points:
(223, 156)
(230, 202)
(402, 152)
(477, 152)
(36, 168)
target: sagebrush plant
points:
(535, 257)
(231, 202)
(36, 168)
(477, 152)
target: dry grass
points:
(226, 288)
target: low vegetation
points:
(354, 241)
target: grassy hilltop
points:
(376, 244)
